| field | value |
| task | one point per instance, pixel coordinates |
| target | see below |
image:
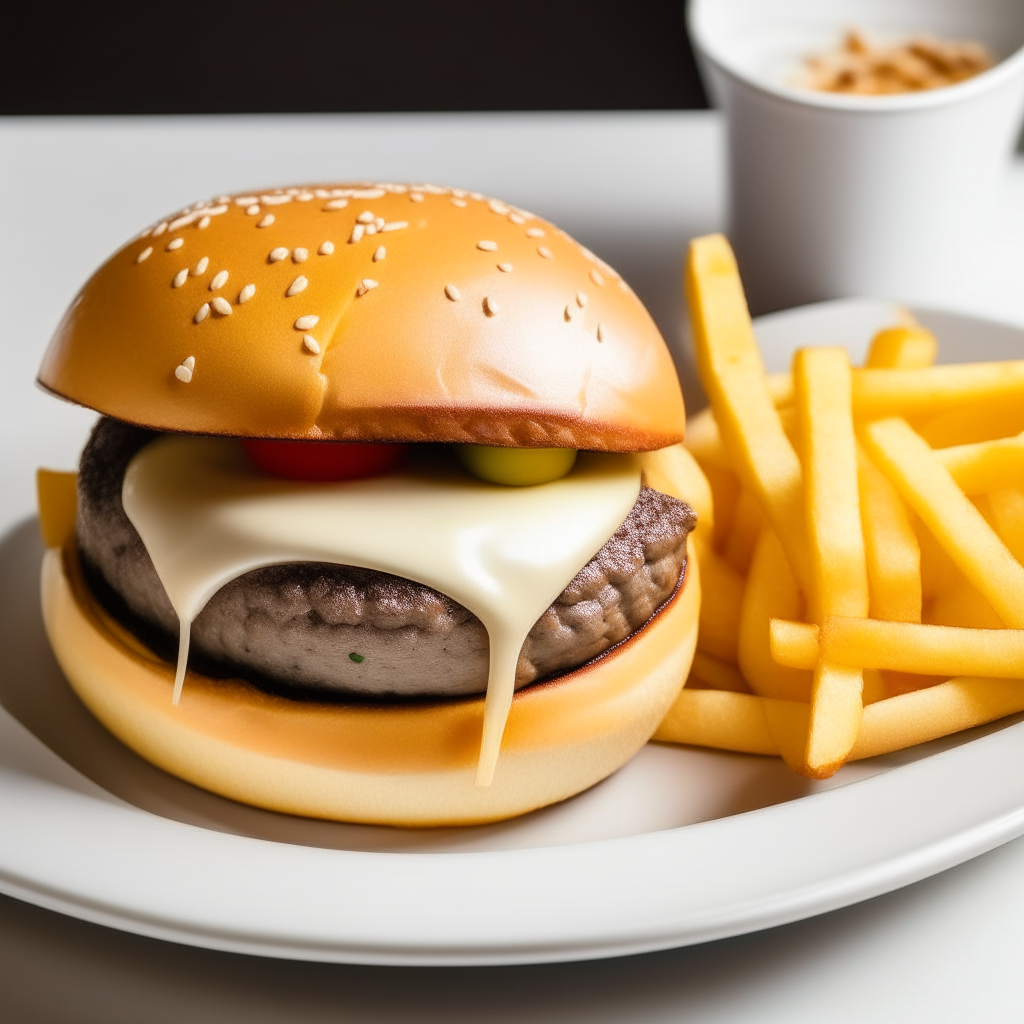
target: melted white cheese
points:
(207, 516)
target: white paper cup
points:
(834, 195)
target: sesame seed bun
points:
(411, 764)
(368, 313)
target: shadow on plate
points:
(662, 787)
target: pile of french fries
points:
(862, 574)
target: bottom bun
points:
(407, 764)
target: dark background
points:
(159, 57)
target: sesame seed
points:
(379, 254)
(175, 243)
(490, 306)
(569, 313)
(534, 232)
(200, 267)
(219, 280)
(336, 204)
(278, 254)
(180, 222)
(487, 246)
(595, 276)
(180, 278)
(216, 211)
(459, 202)
(366, 217)
(378, 223)
(366, 285)
(275, 200)
(395, 225)
(144, 255)
(321, 193)
(300, 255)
(516, 219)
(298, 285)
(505, 268)
(600, 332)
(266, 221)
(416, 197)
(189, 362)
(460, 192)
(223, 199)
(581, 299)
(495, 207)
(367, 193)
(160, 228)
(252, 210)
(543, 250)
(357, 233)
(304, 197)
(310, 344)
(183, 373)
(371, 229)
(245, 200)
(202, 314)
(326, 249)
(306, 323)
(204, 222)
(476, 195)
(246, 293)
(452, 292)
(221, 305)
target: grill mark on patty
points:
(291, 628)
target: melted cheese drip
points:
(207, 516)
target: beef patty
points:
(293, 628)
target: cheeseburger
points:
(384, 518)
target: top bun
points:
(368, 312)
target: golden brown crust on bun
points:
(399, 764)
(368, 313)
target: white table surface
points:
(633, 187)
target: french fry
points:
(835, 537)
(780, 387)
(721, 600)
(717, 718)
(986, 465)
(734, 378)
(933, 389)
(984, 419)
(758, 725)
(725, 495)
(961, 606)
(837, 704)
(747, 523)
(906, 682)
(839, 573)
(875, 687)
(936, 711)
(928, 488)
(794, 644)
(1007, 509)
(901, 646)
(704, 440)
(713, 674)
(771, 593)
(891, 548)
(905, 346)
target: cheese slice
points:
(207, 516)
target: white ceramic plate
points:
(680, 846)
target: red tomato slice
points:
(322, 460)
